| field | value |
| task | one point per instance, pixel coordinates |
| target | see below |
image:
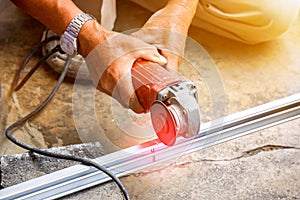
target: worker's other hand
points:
(110, 64)
(170, 44)
(167, 30)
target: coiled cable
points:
(21, 121)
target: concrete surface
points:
(18, 168)
(263, 165)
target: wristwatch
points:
(68, 40)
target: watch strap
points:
(73, 29)
(77, 23)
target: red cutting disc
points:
(163, 123)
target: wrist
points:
(90, 35)
(189, 5)
(175, 16)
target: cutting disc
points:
(163, 123)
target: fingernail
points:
(161, 60)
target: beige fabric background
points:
(248, 21)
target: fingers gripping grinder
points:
(171, 100)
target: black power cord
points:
(42, 105)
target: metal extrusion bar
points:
(133, 159)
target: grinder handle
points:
(148, 79)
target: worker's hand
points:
(170, 44)
(110, 64)
(167, 30)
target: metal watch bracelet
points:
(68, 40)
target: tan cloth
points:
(248, 21)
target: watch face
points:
(67, 46)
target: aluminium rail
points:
(133, 159)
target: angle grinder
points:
(171, 100)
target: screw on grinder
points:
(170, 98)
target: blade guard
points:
(171, 100)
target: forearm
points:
(177, 15)
(57, 14)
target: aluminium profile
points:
(133, 159)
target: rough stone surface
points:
(22, 167)
(13, 166)
(263, 165)
(251, 167)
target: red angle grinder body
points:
(171, 100)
